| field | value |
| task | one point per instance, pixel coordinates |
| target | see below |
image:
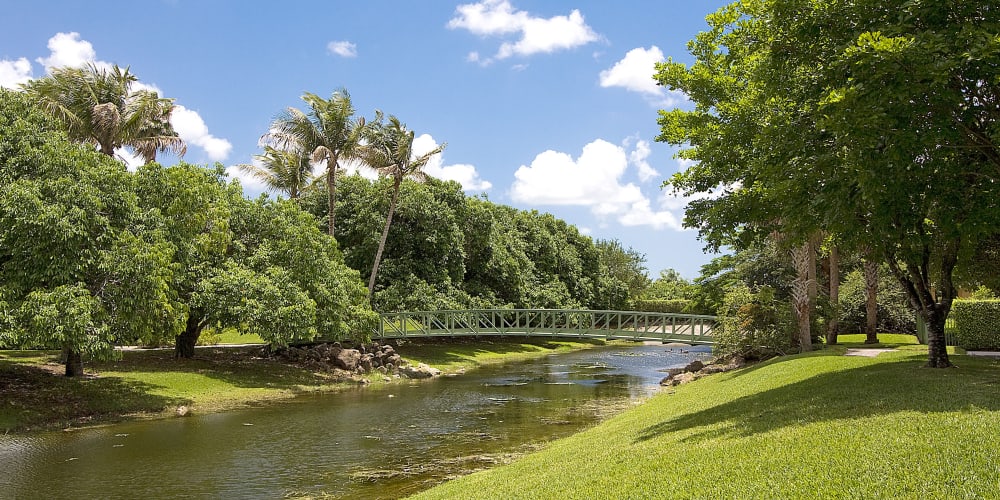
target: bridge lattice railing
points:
(634, 325)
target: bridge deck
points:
(628, 325)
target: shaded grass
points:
(818, 425)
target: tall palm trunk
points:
(385, 234)
(801, 285)
(832, 329)
(331, 190)
(871, 300)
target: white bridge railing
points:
(629, 325)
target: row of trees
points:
(93, 256)
(871, 125)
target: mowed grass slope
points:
(820, 425)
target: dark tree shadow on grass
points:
(33, 397)
(877, 389)
(244, 367)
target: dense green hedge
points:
(676, 306)
(977, 324)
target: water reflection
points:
(370, 443)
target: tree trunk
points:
(937, 350)
(331, 191)
(871, 301)
(385, 235)
(832, 329)
(74, 362)
(185, 342)
(932, 307)
(800, 294)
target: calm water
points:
(366, 443)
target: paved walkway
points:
(868, 353)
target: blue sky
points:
(545, 105)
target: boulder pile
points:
(360, 360)
(696, 369)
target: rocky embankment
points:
(696, 369)
(363, 359)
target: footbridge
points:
(627, 325)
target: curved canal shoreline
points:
(150, 384)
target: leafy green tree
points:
(260, 266)
(286, 171)
(328, 131)
(389, 150)
(670, 285)
(809, 114)
(624, 269)
(78, 271)
(100, 106)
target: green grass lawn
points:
(452, 355)
(819, 425)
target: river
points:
(383, 442)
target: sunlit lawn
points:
(819, 425)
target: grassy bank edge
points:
(815, 425)
(151, 384)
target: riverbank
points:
(152, 384)
(818, 425)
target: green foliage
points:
(807, 118)
(623, 270)
(977, 324)
(670, 285)
(99, 106)
(983, 293)
(754, 325)
(78, 269)
(894, 312)
(445, 250)
(677, 306)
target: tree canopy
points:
(874, 121)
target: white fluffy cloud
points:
(635, 73)
(342, 48)
(638, 157)
(593, 180)
(192, 129)
(464, 174)
(14, 73)
(68, 49)
(532, 34)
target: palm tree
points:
(99, 106)
(389, 150)
(328, 132)
(284, 170)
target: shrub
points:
(977, 324)
(894, 313)
(676, 306)
(754, 325)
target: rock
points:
(183, 411)
(694, 366)
(367, 362)
(710, 369)
(684, 378)
(419, 371)
(347, 359)
(394, 360)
